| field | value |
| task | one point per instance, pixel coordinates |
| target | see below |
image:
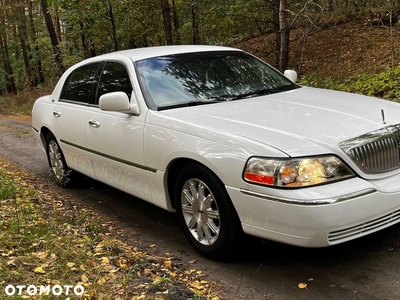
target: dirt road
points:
(368, 268)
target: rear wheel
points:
(57, 163)
(206, 213)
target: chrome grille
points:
(379, 156)
(364, 228)
(397, 133)
(375, 152)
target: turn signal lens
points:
(260, 170)
(260, 178)
(296, 172)
(288, 174)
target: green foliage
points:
(3, 83)
(8, 189)
(88, 25)
(228, 22)
(384, 85)
(85, 28)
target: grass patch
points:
(47, 241)
(22, 103)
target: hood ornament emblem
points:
(383, 116)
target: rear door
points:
(69, 116)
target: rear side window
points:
(114, 78)
(80, 84)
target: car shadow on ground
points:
(129, 209)
(258, 267)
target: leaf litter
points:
(46, 240)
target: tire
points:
(206, 213)
(58, 166)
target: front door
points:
(115, 140)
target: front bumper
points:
(319, 216)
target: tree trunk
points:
(32, 32)
(87, 41)
(275, 21)
(85, 47)
(284, 36)
(57, 25)
(17, 52)
(10, 82)
(110, 17)
(176, 23)
(53, 38)
(114, 30)
(11, 87)
(23, 37)
(195, 23)
(166, 12)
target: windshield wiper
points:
(260, 92)
(188, 104)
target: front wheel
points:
(206, 213)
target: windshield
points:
(206, 77)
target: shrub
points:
(384, 85)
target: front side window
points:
(80, 84)
(114, 78)
(171, 81)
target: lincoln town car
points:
(228, 143)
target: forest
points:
(40, 39)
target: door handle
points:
(57, 114)
(94, 123)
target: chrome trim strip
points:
(111, 157)
(310, 202)
(365, 228)
(35, 130)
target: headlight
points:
(295, 172)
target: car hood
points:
(304, 121)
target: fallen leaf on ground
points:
(302, 285)
(39, 270)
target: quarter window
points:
(80, 84)
(114, 78)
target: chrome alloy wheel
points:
(56, 161)
(200, 211)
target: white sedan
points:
(227, 142)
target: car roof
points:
(143, 53)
